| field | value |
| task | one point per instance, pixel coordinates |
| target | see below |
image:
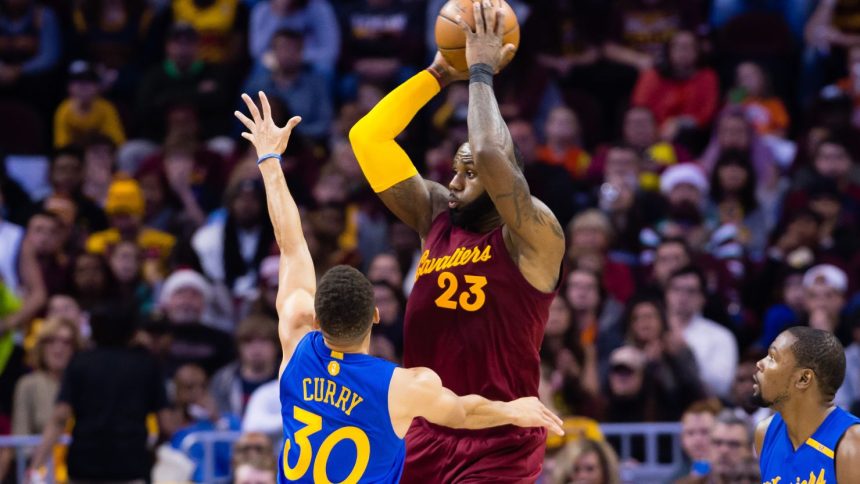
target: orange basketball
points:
(452, 41)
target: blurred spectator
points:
(258, 349)
(381, 42)
(588, 461)
(221, 24)
(44, 233)
(551, 184)
(184, 298)
(109, 391)
(795, 12)
(731, 445)
(30, 47)
(824, 288)
(113, 35)
(251, 446)
(35, 393)
(639, 134)
(230, 250)
(686, 190)
(630, 393)
(681, 93)
(315, 18)
(563, 145)
(670, 364)
(697, 425)
(832, 27)
(384, 267)
(268, 288)
(639, 29)
(837, 233)
(256, 471)
(184, 78)
(194, 410)
(391, 304)
(85, 112)
(596, 313)
(848, 396)
(733, 202)
(848, 86)
(714, 347)
(11, 237)
(304, 91)
(99, 166)
(741, 403)
(753, 91)
(736, 132)
(787, 309)
(66, 177)
(92, 282)
(590, 236)
(127, 268)
(263, 412)
(125, 207)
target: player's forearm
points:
(283, 211)
(488, 133)
(482, 413)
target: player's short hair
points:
(821, 352)
(344, 304)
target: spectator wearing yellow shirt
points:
(125, 207)
(85, 113)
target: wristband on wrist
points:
(482, 73)
(436, 74)
(266, 157)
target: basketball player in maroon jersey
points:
(489, 269)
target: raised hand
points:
(530, 412)
(266, 137)
(484, 44)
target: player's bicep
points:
(415, 201)
(295, 320)
(848, 456)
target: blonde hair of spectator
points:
(708, 405)
(592, 219)
(575, 450)
(49, 329)
(258, 326)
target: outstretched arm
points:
(418, 392)
(296, 276)
(386, 166)
(536, 232)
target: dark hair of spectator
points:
(98, 139)
(747, 192)
(344, 304)
(257, 326)
(677, 241)
(821, 352)
(665, 68)
(691, 270)
(289, 34)
(837, 139)
(645, 298)
(397, 292)
(68, 150)
(113, 324)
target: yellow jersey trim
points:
(819, 447)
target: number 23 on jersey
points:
(313, 424)
(470, 297)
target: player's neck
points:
(363, 347)
(803, 417)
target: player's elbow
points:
(487, 151)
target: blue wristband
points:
(266, 157)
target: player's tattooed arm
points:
(296, 274)
(416, 202)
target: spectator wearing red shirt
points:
(563, 145)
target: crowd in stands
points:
(702, 155)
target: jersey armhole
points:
(388, 408)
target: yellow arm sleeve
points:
(382, 160)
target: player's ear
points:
(375, 315)
(805, 378)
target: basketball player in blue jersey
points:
(809, 440)
(344, 412)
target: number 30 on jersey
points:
(313, 424)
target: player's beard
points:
(758, 398)
(468, 216)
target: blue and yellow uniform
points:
(336, 422)
(813, 462)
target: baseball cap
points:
(683, 173)
(81, 70)
(124, 196)
(628, 356)
(829, 274)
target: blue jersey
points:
(813, 462)
(336, 423)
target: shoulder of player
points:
(760, 432)
(848, 455)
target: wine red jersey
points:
(472, 317)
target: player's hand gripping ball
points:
(451, 39)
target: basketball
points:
(452, 41)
